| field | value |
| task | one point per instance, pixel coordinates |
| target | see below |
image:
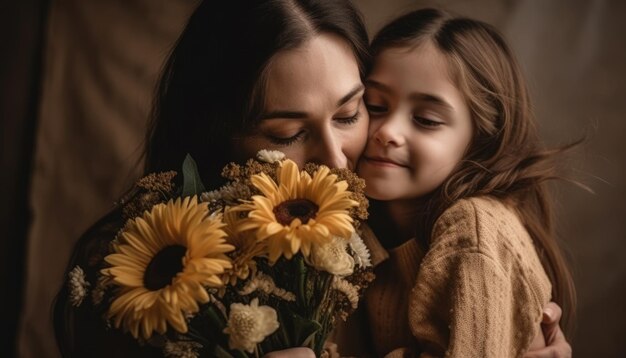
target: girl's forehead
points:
(415, 68)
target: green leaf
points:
(304, 330)
(220, 352)
(192, 183)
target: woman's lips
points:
(383, 162)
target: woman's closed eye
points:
(286, 140)
(351, 119)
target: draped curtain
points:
(99, 63)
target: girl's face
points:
(420, 124)
(314, 109)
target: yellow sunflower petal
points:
(332, 202)
(264, 183)
(183, 222)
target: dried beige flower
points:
(264, 283)
(250, 324)
(182, 349)
(332, 257)
(361, 252)
(77, 285)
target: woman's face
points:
(314, 109)
(420, 124)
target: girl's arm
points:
(481, 288)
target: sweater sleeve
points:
(475, 294)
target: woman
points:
(244, 76)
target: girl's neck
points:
(396, 221)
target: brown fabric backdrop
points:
(102, 60)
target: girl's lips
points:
(383, 162)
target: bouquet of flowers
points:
(269, 261)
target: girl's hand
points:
(557, 345)
(300, 352)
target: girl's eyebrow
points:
(380, 86)
(301, 115)
(431, 98)
(418, 96)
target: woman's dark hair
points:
(505, 158)
(212, 86)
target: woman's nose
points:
(329, 151)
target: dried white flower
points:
(348, 289)
(332, 257)
(182, 349)
(210, 196)
(270, 156)
(249, 325)
(264, 283)
(231, 193)
(78, 286)
(361, 252)
(235, 191)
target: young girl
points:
(455, 165)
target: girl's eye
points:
(426, 123)
(349, 120)
(285, 141)
(375, 109)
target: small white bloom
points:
(230, 192)
(235, 191)
(332, 257)
(361, 252)
(249, 325)
(181, 349)
(77, 285)
(270, 156)
(210, 196)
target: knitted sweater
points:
(479, 291)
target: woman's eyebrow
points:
(301, 115)
(353, 92)
(284, 114)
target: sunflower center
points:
(163, 267)
(289, 210)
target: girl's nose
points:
(390, 131)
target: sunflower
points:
(299, 211)
(247, 247)
(162, 263)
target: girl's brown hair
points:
(505, 158)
